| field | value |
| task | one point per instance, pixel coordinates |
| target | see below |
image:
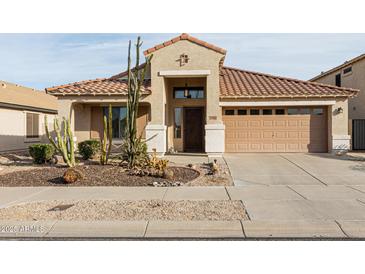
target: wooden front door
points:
(193, 129)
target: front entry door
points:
(193, 129)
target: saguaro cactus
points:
(63, 144)
(136, 78)
(106, 142)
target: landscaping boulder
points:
(168, 174)
(71, 175)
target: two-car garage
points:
(276, 129)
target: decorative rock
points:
(71, 175)
(168, 174)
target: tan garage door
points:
(297, 129)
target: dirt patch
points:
(128, 211)
(95, 175)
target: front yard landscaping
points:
(17, 169)
(103, 210)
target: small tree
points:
(106, 142)
(133, 146)
(63, 144)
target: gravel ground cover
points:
(128, 210)
(95, 175)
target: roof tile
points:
(237, 83)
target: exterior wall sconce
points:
(340, 110)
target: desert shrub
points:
(140, 154)
(41, 153)
(89, 148)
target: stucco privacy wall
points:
(167, 59)
(13, 129)
(354, 79)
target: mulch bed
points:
(95, 175)
(128, 211)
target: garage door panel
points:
(276, 133)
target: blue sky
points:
(44, 60)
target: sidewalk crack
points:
(243, 229)
(298, 166)
(145, 230)
(356, 189)
(305, 198)
(343, 231)
(229, 196)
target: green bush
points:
(41, 153)
(89, 148)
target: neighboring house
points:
(22, 113)
(350, 74)
(192, 103)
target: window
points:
(338, 79)
(177, 123)
(347, 70)
(189, 93)
(119, 121)
(293, 111)
(254, 112)
(318, 111)
(242, 112)
(229, 112)
(267, 112)
(280, 111)
(32, 126)
(305, 111)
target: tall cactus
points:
(136, 77)
(63, 144)
(106, 142)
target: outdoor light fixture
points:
(186, 91)
(340, 110)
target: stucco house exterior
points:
(191, 102)
(22, 112)
(350, 74)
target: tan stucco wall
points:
(13, 129)
(200, 58)
(354, 79)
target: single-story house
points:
(22, 112)
(191, 102)
(350, 74)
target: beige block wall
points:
(200, 58)
(13, 129)
(355, 79)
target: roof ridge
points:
(185, 36)
(289, 79)
(346, 63)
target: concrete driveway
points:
(291, 195)
(295, 169)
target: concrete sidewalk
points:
(191, 229)
(309, 211)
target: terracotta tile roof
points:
(185, 36)
(247, 84)
(347, 63)
(104, 86)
